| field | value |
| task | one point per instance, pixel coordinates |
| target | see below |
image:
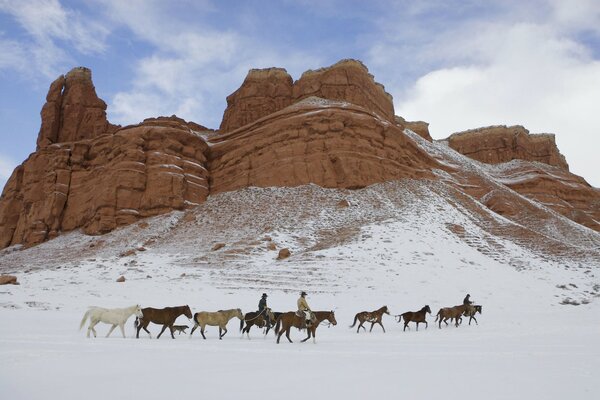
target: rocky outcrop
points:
(99, 184)
(554, 187)
(265, 91)
(500, 144)
(329, 143)
(73, 111)
(421, 128)
(348, 81)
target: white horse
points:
(114, 316)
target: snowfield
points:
(393, 246)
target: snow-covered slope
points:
(404, 244)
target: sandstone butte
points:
(334, 127)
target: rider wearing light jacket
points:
(303, 307)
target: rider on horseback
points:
(467, 300)
(304, 310)
(262, 308)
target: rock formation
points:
(73, 111)
(266, 91)
(263, 92)
(500, 144)
(334, 127)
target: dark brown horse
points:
(374, 317)
(471, 311)
(161, 316)
(414, 316)
(261, 319)
(320, 316)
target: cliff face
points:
(266, 91)
(334, 127)
(99, 184)
(499, 144)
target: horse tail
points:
(136, 323)
(85, 316)
(242, 323)
(355, 319)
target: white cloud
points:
(525, 67)
(49, 27)
(192, 68)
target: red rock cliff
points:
(499, 144)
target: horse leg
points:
(193, 329)
(112, 328)
(224, 331)
(122, 326)
(372, 324)
(202, 331)
(417, 326)
(309, 334)
(145, 326)
(287, 333)
(172, 330)
(162, 330)
(91, 327)
(279, 336)
(426, 324)
(382, 326)
(405, 326)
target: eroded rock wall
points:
(500, 144)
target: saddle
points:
(308, 316)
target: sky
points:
(457, 64)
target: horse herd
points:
(280, 322)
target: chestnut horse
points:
(415, 316)
(450, 313)
(374, 317)
(320, 316)
(161, 316)
(288, 320)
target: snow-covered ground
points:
(398, 253)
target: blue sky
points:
(455, 64)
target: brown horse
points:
(374, 317)
(290, 320)
(161, 316)
(261, 319)
(415, 316)
(450, 313)
(320, 316)
(219, 318)
(471, 311)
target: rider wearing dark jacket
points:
(262, 306)
(467, 300)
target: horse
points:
(219, 318)
(471, 311)
(320, 317)
(415, 316)
(114, 316)
(451, 313)
(161, 316)
(290, 319)
(258, 319)
(374, 317)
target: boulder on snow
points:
(121, 279)
(8, 280)
(283, 254)
(218, 246)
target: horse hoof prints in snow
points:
(219, 318)
(113, 316)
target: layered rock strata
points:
(500, 144)
(265, 91)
